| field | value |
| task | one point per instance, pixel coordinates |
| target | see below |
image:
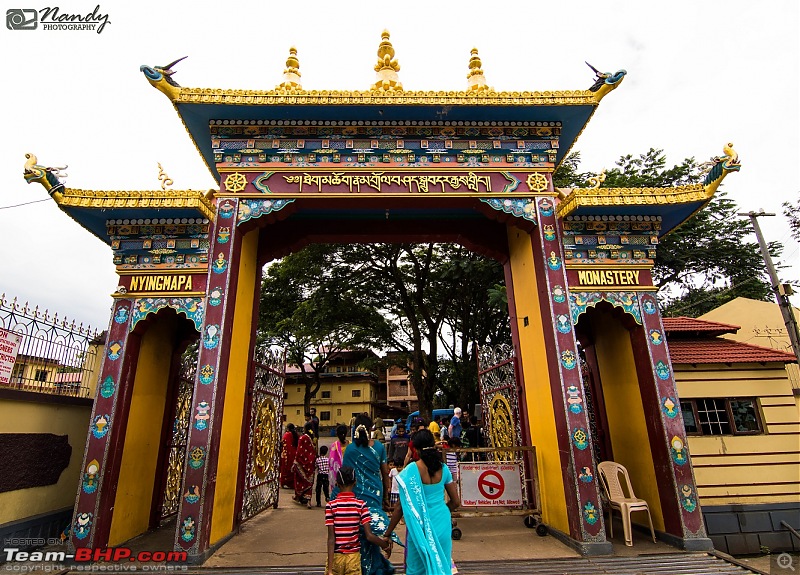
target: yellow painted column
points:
(624, 410)
(535, 369)
(224, 512)
(139, 466)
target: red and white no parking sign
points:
(490, 485)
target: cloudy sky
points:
(700, 74)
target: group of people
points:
(360, 503)
(366, 492)
(300, 461)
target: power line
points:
(715, 295)
(782, 292)
(25, 204)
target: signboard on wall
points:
(9, 347)
(490, 485)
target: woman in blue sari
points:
(368, 458)
(422, 485)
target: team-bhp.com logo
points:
(116, 555)
(52, 18)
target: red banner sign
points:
(444, 182)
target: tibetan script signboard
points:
(384, 183)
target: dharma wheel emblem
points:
(537, 182)
(235, 182)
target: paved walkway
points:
(292, 539)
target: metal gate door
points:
(176, 455)
(499, 396)
(262, 487)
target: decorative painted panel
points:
(193, 512)
(671, 419)
(284, 143)
(101, 429)
(582, 482)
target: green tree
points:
(706, 261)
(792, 213)
(431, 297)
(305, 310)
(477, 315)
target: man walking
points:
(454, 429)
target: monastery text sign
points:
(613, 278)
(378, 182)
(490, 485)
(9, 347)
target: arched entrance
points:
(634, 401)
(473, 168)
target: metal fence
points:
(54, 356)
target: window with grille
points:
(326, 395)
(720, 416)
(356, 393)
(324, 415)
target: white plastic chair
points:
(625, 503)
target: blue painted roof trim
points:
(196, 117)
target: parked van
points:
(437, 413)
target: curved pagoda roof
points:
(385, 102)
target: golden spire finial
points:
(291, 75)
(164, 178)
(387, 68)
(476, 81)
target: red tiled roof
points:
(718, 350)
(684, 325)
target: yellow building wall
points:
(746, 469)
(92, 374)
(26, 369)
(761, 324)
(624, 410)
(236, 385)
(533, 352)
(34, 417)
(341, 399)
(142, 439)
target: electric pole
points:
(781, 293)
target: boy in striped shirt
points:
(343, 517)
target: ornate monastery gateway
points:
(296, 167)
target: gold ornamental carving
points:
(501, 426)
(537, 182)
(98, 199)
(235, 182)
(265, 438)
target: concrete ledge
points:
(201, 558)
(587, 549)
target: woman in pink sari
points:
(287, 456)
(304, 465)
(337, 450)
